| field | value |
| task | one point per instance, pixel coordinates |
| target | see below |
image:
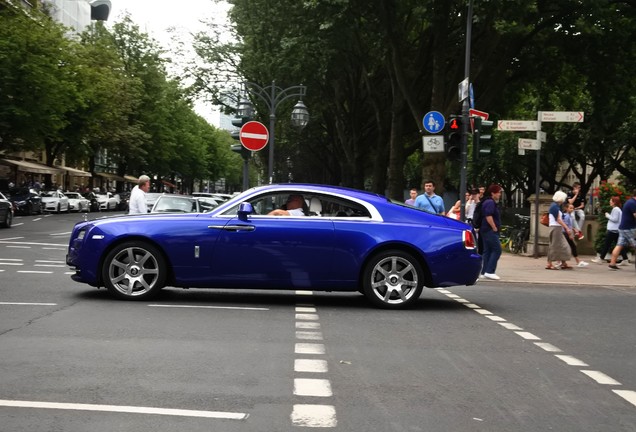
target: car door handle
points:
(233, 227)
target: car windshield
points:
(51, 194)
(73, 195)
(175, 205)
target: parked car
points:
(124, 197)
(346, 240)
(55, 201)
(6, 212)
(77, 202)
(183, 204)
(107, 201)
(26, 201)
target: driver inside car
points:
(293, 207)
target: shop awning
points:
(130, 178)
(110, 176)
(167, 183)
(32, 167)
(74, 171)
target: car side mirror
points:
(244, 210)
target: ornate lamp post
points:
(272, 96)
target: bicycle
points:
(505, 236)
(520, 235)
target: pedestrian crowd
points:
(566, 219)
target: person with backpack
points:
(490, 227)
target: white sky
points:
(155, 17)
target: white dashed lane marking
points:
(598, 376)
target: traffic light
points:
(481, 136)
(453, 141)
(238, 148)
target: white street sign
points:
(518, 125)
(433, 144)
(542, 136)
(529, 144)
(562, 116)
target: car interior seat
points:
(315, 207)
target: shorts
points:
(627, 237)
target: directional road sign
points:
(433, 122)
(529, 144)
(254, 135)
(562, 116)
(433, 144)
(518, 125)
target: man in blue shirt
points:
(626, 230)
(429, 201)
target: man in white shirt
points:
(137, 202)
(293, 207)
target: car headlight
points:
(81, 234)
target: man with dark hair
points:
(412, 197)
(429, 201)
(577, 198)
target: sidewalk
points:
(527, 269)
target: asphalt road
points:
(493, 357)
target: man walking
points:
(626, 230)
(429, 201)
(137, 202)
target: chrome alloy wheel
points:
(134, 271)
(395, 280)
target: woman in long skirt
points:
(558, 248)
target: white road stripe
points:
(11, 259)
(124, 409)
(301, 292)
(572, 361)
(628, 395)
(548, 347)
(49, 262)
(510, 326)
(528, 335)
(17, 224)
(27, 304)
(472, 306)
(207, 307)
(49, 265)
(317, 416)
(495, 318)
(307, 317)
(34, 272)
(442, 290)
(11, 238)
(309, 335)
(307, 325)
(34, 244)
(600, 377)
(453, 296)
(305, 309)
(312, 387)
(11, 263)
(310, 365)
(483, 311)
(61, 234)
(50, 248)
(309, 348)
(462, 300)
(20, 247)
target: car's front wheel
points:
(8, 220)
(134, 271)
(393, 280)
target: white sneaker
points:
(582, 264)
(491, 276)
(597, 260)
(481, 276)
(623, 263)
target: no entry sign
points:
(254, 135)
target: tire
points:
(29, 210)
(134, 271)
(8, 220)
(392, 280)
(59, 208)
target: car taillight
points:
(469, 239)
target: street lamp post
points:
(272, 96)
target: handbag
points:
(545, 219)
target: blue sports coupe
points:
(338, 240)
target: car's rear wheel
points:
(393, 280)
(134, 271)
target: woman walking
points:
(558, 248)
